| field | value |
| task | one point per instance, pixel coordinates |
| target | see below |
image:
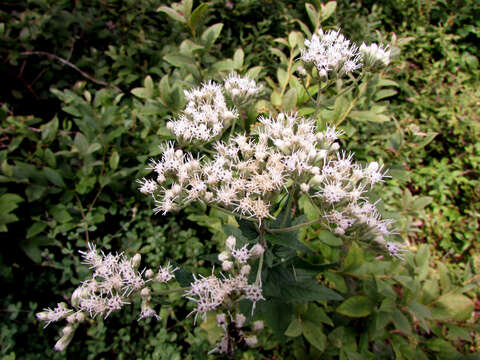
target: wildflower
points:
(375, 56)
(240, 88)
(331, 53)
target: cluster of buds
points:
(235, 333)
(209, 293)
(334, 56)
(115, 280)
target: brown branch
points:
(68, 63)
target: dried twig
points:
(68, 63)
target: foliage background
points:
(72, 142)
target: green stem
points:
(170, 291)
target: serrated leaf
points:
(278, 324)
(8, 202)
(354, 258)
(401, 322)
(175, 15)
(328, 238)
(458, 306)
(356, 306)
(317, 315)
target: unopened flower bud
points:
(335, 146)
(63, 342)
(251, 341)
(257, 250)
(71, 318)
(304, 187)
(231, 241)
(67, 330)
(224, 255)
(227, 265)
(178, 154)
(240, 320)
(149, 274)
(43, 316)
(80, 316)
(136, 260)
(145, 292)
(245, 270)
(258, 325)
(316, 180)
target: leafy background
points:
(89, 86)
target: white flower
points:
(375, 56)
(331, 54)
(240, 88)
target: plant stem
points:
(233, 214)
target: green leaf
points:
(354, 258)
(49, 130)
(114, 159)
(187, 8)
(271, 310)
(175, 15)
(328, 238)
(328, 10)
(458, 306)
(401, 322)
(178, 60)
(356, 306)
(197, 14)
(211, 34)
(94, 147)
(183, 277)
(238, 58)
(366, 115)
(421, 202)
(223, 65)
(312, 14)
(295, 328)
(289, 100)
(148, 85)
(385, 93)
(317, 315)
(54, 177)
(8, 202)
(80, 143)
(314, 334)
(35, 229)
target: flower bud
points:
(71, 318)
(258, 325)
(80, 316)
(145, 292)
(372, 167)
(227, 265)
(136, 260)
(67, 330)
(43, 316)
(231, 241)
(316, 180)
(224, 255)
(335, 146)
(149, 274)
(304, 187)
(240, 320)
(257, 250)
(245, 270)
(251, 341)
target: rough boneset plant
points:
(257, 175)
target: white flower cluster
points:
(331, 53)
(247, 172)
(234, 333)
(240, 89)
(114, 279)
(206, 115)
(208, 293)
(375, 56)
